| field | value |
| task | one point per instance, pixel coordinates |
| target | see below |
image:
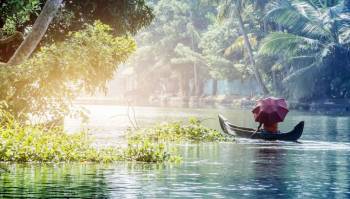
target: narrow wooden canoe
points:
(233, 130)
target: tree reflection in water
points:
(53, 181)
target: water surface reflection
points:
(318, 167)
(238, 170)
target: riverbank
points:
(326, 106)
(181, 102)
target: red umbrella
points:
(270, 110)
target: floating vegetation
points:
(28, 143)
(192, 131)
(148, 151)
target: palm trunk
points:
(250, 52)
(195, 73)
(195, 68)
(180, 85)
(39, 29)
(215, 87)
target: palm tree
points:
(233, 8)
(313, 37)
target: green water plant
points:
(28, 143)
(148, 151)
(192, 131)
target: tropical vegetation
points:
(292, 48)
(52, 51)
(28, 143)
(192, 131)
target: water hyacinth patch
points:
(192, 131)
(148, 151)
(28, 143)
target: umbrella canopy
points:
(270, 110)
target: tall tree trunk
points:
(215, 87)
(195, 76)
(200, 88)
(250, 50)
(195, 73)
(181, 91)
(38, 31)
(195, 68)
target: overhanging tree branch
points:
(38, 31)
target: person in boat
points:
(270, 128)
(268, 112)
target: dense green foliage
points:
(46, 83)
(123, 16)
(14, 14)
(77, 55)
(313, 48)
(194, 131)
(27, 143)
(189, 46)
(169, 47)
(300, 47)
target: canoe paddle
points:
(258, 129)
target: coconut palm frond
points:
(315, 19)
(344, 34)
(322, 3)
(308, 11)
(281, 10)
(288, 44)
(302, 58)
(298, 17)
(313, 3)
(300, 72)
(238, 45)
(224, 10)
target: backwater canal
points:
(317, 167)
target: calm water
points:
(318, 167)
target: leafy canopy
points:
(45, 84)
